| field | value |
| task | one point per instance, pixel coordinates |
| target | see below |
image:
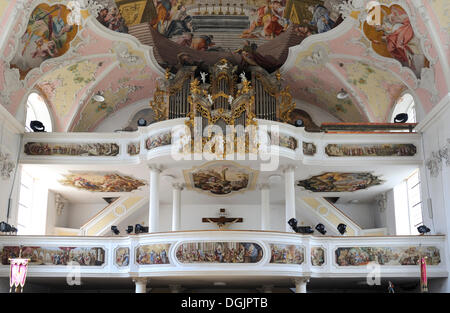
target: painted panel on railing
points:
(153, 254)
(134, 148)
(85, 256)
(71, 149)
(159, 140)
(122, 256)
(317, 256)
(357, 256)
(285, 141)
(363, 150)
(309, 148)
(219, 252)
(287, 254)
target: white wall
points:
(362, 213)
(318, 115)
(436, 132)
(80, 213)
(191, 217)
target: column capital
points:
(263, 186)
(301, 280)
(178, 186)
(140, 280)
(288, 168)
(155, 167)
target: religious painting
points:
(309, 148)
(71, 149)
(153, 254)
(221, 178)
(339, 182)
(122, 256)
(217, 25)
(159, 140)
(383, 150)
(134, 148)
(102, 182)
(392, 36)
(287, 254)
(317, 256)
(85, 256)
(285, 141)
(111, 17)
(219, 252)
(48, 35)
(357, 256)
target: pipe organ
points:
(223, 96)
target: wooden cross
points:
(222, 220)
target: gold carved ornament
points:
(286, 105)
(158, 104)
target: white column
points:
(265, 206)
(289, 186)
(153, 210)
(300, 284)
(176, 209)
(141, 284)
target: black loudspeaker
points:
(37, 126)
(401, 118)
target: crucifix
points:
(222, 220)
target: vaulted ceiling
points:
(352, 56)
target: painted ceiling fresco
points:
(47, 35)
(339, 182)
(102, 182)
(338, 49)
(221, 178)
(218, 25)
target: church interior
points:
(257, 146)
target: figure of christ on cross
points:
(223, 222)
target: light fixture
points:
(115, 230)
(401, 118)
(342, 94)
(342, 228)
(422, 229)
(299, 123)
(98, 97)
(321, 228)
(142, 122)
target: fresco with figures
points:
(153, 254)
(159, 140)
(219, 252)
(102, 182)
(341, 150)
(221, 178)
(47, 35)
(317, 256)
(339, 182)
(122, 256)
(357, 256)
(217, 25)
(393, 36)
(72, 149)
(85, 256)
(287, 254)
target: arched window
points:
(405, 104)
(37, 110)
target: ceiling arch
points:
(125, 71)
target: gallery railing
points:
(261, 253)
